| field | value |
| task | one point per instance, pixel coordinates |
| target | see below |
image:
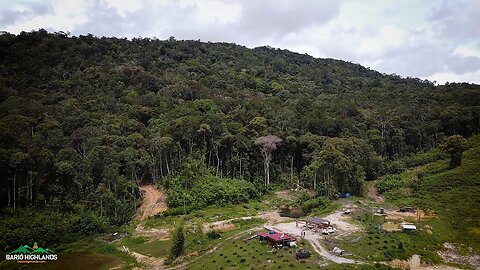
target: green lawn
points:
(210, 214)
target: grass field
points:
(210, 214)
(379, 245)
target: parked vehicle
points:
(329, 230)
(302, 254)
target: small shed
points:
(408, 227)
(318, 222)
(408, 209)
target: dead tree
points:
(267, 145)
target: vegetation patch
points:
(254, 254)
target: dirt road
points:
(340, 222)
(153, 202)
(271, 217)
(314, 239)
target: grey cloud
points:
(32, 9)
(457, 20)
(464, 64)
(427, 59)
(454, 23)
(259, 21)
(277, 18)
(103, 21)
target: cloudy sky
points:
(435, 40)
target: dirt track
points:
(153, 202)
(314, 239)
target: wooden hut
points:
(315, 222)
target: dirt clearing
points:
(271, 217)
(314, 239)
(451, 254)
(148, 261)
(153, 234)
(396, 215)
(415, 263)
(153, 202)
(340, 221)
(284, 195)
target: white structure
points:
(408, 227)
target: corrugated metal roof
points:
(317, 220)
(280, 236)
(262, 234)
(408, 227)
(276, 236)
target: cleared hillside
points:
(451, 193)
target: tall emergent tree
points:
(178, 243)
(267, 144)
(454, 146)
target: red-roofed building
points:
(276, 239)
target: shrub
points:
(320, 202)
(208, 190)
(178, 242)
(388, 183)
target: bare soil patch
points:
(271, 217)
(391, 227)
(338, 219)
(342, 223)
(450, 253)
(147, 261)
(314, 239)
(373, 193)
(415, 263)
(284, 195)
(153, 202)
(401, 216)
(153, 234)
(220, 226)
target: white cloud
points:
(443, 77)
(210, 12)
(62, 16)
(123, 7)
(465, 50)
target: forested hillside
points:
(85, 120)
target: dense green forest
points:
(85, 120)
